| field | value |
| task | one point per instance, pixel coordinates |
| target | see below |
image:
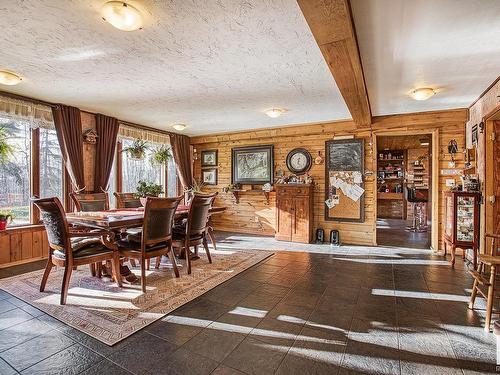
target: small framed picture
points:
(209, 176)
(209, 158)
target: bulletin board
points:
(344, 180)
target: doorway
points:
(404, 190)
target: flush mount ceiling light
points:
(9, 78)
(424, 142)
(275, 112)
(423, 93)
(122, 15)
(179, 127)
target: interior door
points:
(300, 223)
(284, 217)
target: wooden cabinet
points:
(294, 212)
(461, 227)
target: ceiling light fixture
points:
(122, 15)
(423, 93)
(9, 78)
(179, 127)
(275, 112)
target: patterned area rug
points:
(108, 313)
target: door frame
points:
(487, 224)
(435, 178)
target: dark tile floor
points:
(392, 232)
(347, 310)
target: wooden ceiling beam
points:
(333, 28)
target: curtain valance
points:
(38, 115)
(129, 132)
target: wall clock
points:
(299, 161)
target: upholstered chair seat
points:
(84, 247)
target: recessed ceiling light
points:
(275, 112)
(423, 93)
(122, 15)
(9, 78)
(179, 127)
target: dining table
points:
(122, 218)
(117, 220)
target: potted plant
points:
(195, 188)
(5, 218)
(137, 150)
(147, 189)
(5, 148)
(161, 155)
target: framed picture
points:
(209, 176)
(209, 158)
(252, 165)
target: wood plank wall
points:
(22, 245)
(254, 215)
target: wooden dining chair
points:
(71, 248)
(90, 202)
(127, 200)
(193, 232)
(486, 276)
(155, 239)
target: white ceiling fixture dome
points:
(122, 15)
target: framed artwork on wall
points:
(209, 158)
(209, 176)
(252, 165)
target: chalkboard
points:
(344, 160)
(345, 155)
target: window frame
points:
(119, 171)
(35, 183)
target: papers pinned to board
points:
(347, 183)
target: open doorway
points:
(404, 190)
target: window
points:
(15, 173)
(51, 166)
(135, 170)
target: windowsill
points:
(22, 228)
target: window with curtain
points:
(135, 170)
(26, 125)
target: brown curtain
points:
(182, 158)
(68, 124)
(107, 132)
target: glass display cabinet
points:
(461, 228)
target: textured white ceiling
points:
(213, 64)
(452, 45)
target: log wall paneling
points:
(22, 245)
(254, 215)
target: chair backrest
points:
(90, 202)
(199, 213)
(54, 220)
(127, 200)
(410, 193)
(159, 215)
(492, 242)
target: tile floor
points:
(311, 310)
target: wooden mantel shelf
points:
(236, 193)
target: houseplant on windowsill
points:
(137, 150)
(5, 219)
(147, 189)
(161, 155)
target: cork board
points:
(345, 163)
